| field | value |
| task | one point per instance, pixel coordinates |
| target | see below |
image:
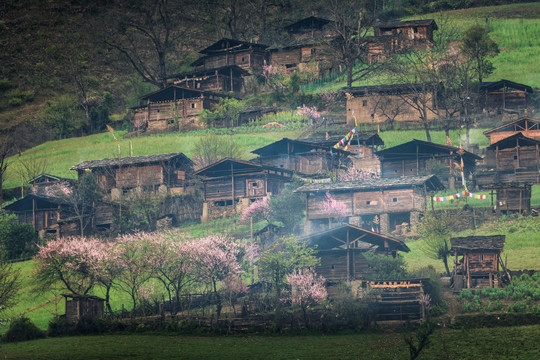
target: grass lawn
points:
(494, 343)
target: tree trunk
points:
(445, 261)
(107, 298)
(349, 75)
(426, 128)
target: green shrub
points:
(22, 329)
(89, 325)
(16, 240)
(60, 326)
(519, 307)
(465, 294)
(18, 97)
(4, 84)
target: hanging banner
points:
(458, 195)
(346, 141)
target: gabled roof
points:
(496, 85)
(398, 24)
(42, 201)
(387, 89)
(225, 45)
(175, 92)
(425, 148)
(517, 125)
(48, 176)
(468, 243)
(224, 70)
(311, 22)
(430, 181)
(512, 141)
(223, 168)
(326, 240)
(132, 160)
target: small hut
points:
(528, 126)
(505, 95)
(476, 260)
(512, 197)
(78, 306)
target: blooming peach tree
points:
(333, 208)
(307, 289)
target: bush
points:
(16, 240)
(385, 267)
(89, 325)
(22, 329)
(60, 326)
(4, 84)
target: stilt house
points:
(505, 95)
(528, 126)
(228, 78)
(476, 260)
(511, 197)
(230, 185)
(227, 52)
(162, 172)
(392, 201)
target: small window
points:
(198, 85)
(254, 184)
(312, 51)
(364, 102)
(193, 105)
(333, 267)
(394, 200)
(368, 202)
(281, 165)
(415, 30)
(157, 110)
(515, 157)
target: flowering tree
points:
(333, 208)
(331, 98)
(217, 258)
(308, 112)
(307, 289)
(258, 210)
(233, 286)
(357, 174)
(274, 76)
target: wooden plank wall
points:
(285, 57)
(333, 265)
(134, 176)
(510, 159)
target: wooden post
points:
(34, 213)
(348, 261)
(417, 161)
(232, 181)
(468, 272)
(232, 84)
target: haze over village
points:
(241, 178)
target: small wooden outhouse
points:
(78, 306)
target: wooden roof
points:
(476, 243)
(225, 45)
(431, 182)
(224, 70)
(42, 202)
(131, 160)
(497, 85)
(521, 124)
(175, 92)
(223, 168)
(425, 149)
(335, 238)
(409, 23)
(309, 23)
(48, 176)
(512, 141)
(393, 89)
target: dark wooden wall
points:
(333, 265)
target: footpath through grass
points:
(493, 343)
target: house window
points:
(312, 51)
(515, 157)
(198, 85)
(243, 60)
(254, 184)
(415, 30)
(333, 267)
(368, 202)
(364, 102)
(193, 105)
(157, 110)
(394, 200)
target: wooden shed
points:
(528, 126)
(505, 95)
(228, 78)
(173, 107)
(416, 156)
(412, 34)
(392, 201)
(227, 52)
(162, 172)
(341, 251)
(476, 260)
(78, 306)
(230, 185)
(511, 197)
(387, 103)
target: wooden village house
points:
(417, 157)
(514, 159)
(228, 78)
(165, 173)
(305, 46)
(227, 52)
(407, 35)
(387, 103)
(476, 261)
(173, 107)
(387, 203)
(525, 125)
(317, 155)
(510, 197)
(505, 96)
(231, 185)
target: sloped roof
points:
(398, 24)
(131, 160)
(431, 182)
(225, 44)
(516, 125)
(386, 89)
(237, 71)
(496, 85)
(49, 176)
(26, 203)
(311, 22)
(326, 240)
(468, 243)
(512, 141)
(175, 92)
(223, 168)
(425, 148)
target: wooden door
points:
(255, 187)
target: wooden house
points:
(306, 44)
(387, 103)
(253, 113)
(341, 251)
(415, 158)
(228, 78)
(47, 184)
(78, 306)
(230, 185)
(227, 52)
(406, 35)
(476, 260)
(162, 172)
(390, 201)
(528, 126)
(505, 95)
(173, 107)
(511, 197)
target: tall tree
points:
(479, 47)
(9, 284)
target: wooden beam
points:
(335, 238)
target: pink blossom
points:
(334, 208)
(353, 174)
(308, 112)
(258, 210)
(331, 98)
(307, 288)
